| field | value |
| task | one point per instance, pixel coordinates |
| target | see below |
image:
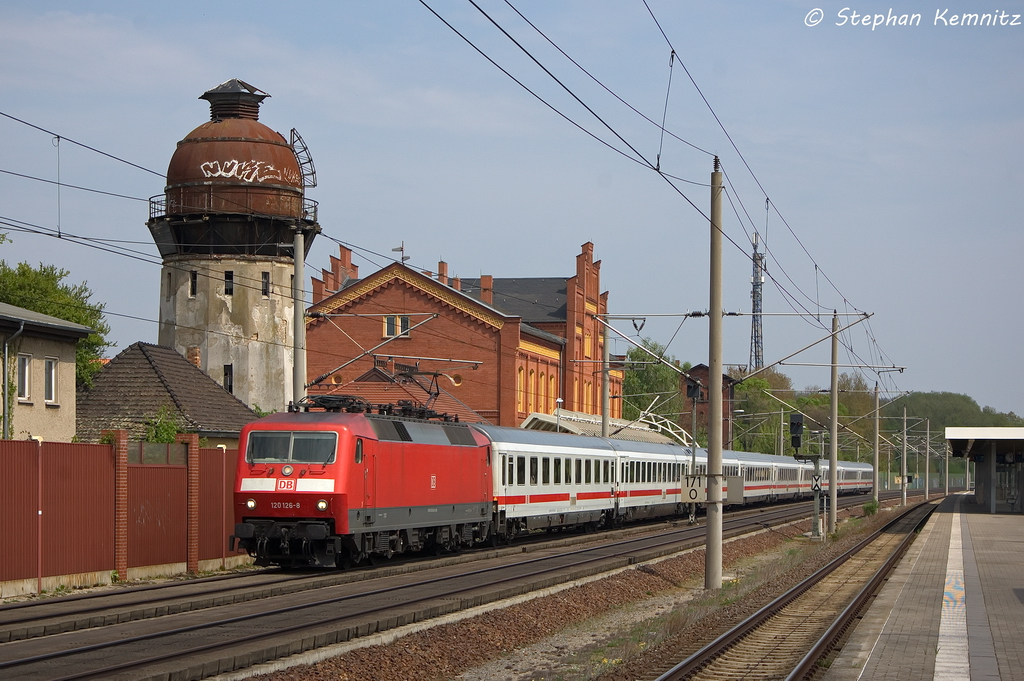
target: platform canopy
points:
(972, 442)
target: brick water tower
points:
(228, 226)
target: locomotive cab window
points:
(359, 450)
(296, 446)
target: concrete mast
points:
(713, 553)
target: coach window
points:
(520, 470)
(579, 471)
(511, 471)
(533, 470)
(359, 450)
(545, 471)
(568, 471)
(586, 471)
(503, 470)
(605, 467)
(558, 471)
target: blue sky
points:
(893, 153)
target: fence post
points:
(192, 501)
(120, 452)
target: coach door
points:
(369, 484)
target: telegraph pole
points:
(874, 463)
(833, 450)
(713, 551)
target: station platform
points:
(954, 606)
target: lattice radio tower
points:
(756, 281)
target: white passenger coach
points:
(549, 480)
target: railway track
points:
(226, 625)
(787, 638)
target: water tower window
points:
(266, 284)
(229, 378)
(193, 283)
(229, 283)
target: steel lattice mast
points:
(756, 280)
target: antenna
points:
(401, 249)
(756, 281)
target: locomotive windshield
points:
(294, 446)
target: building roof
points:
(38, 323)
(579, 423)
(536, 299)
(979, 441)
(133, 386)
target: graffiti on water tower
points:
(249, 171)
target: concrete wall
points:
(250, 331)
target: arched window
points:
(542, 393)
(531, 392)
(553, 391)
(519, 389)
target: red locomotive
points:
(334, 487)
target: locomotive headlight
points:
(321, 505)
(287, 470)
(250, 504)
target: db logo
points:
(284, 485)
(433, 482)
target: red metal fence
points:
(83, 508)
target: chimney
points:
(428, 273)
(487, 289)
(457, 284)
(442, 272)
(234, 99)
(194, 354)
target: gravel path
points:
(614, 629)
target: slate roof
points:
(133, 386)
(535, 299)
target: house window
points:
(50, 379)
(229, 378)
(266, 284)
(396, 325)
(193, 283)
(229, 283)
(24, 376)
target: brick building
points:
(702, 373)
(506, 347)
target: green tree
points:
(756, 423)
(646, 380)
(43, 290)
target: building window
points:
(193, 283)
(229, 378)
(229, 283)
(520, 390)
(24, 376)
(50, 379)
(396, 325)
(266, 284)
(530, 388)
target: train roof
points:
(523, 436)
